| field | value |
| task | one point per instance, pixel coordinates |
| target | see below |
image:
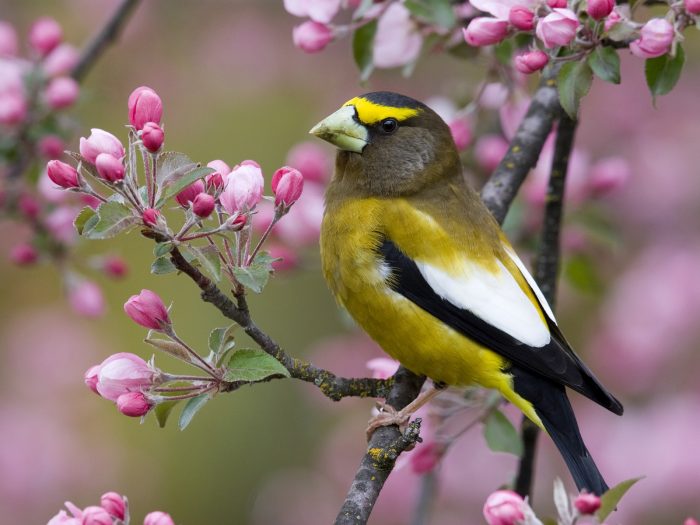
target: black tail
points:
(554, 409)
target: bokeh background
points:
(234, 87)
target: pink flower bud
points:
(608, 175)
(243, 189)
(599, 9)
(62, 518)
(382, 367)
(24, 254)
(144, 106)
(152, 136)
(312, 37)
(51, 146)
(115, 267)
(148, 310)
(556, 3)
(522, 18)
(13, 108)
(318, 10)
(8, 40)
(692, 7)
(62, 174)
(613, 19)
(489, 151)
(44, 35)
(235, 222)
(109, 167)
(28, 206)
(587, 503)
(123, 373)
(531, 61)
(484, 31)
(158, 518)
(461, 133)
(504, 507)
(90, 378)
(114, 504)
(186, 196)
(134, 404)
(216, 179)
(287, 185)
(426, 457)
(312, 160)
(203, 204)
(61, 60)
(95, 516)
(86, 298)
(100, 141)
(150, 216)
(655, 39)
(557, 28)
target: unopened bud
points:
(558, 28)
(148, 310)
(50, 146)
(152, 136)
(203, 204)
(484, 31)
(44, 35)
(114, 504)
(521, 18)
(24, 254)
(587, 503)
(123, 373)
(531, 61)
(287, 185)
(62, 174)
(312, 37)
(187, 195)
(158, 518)
(216, 180)
(692, 6)
(109, 167)
(134, 404)
(90, 378)
(94, 515)
(599, 9)
(61, 93)
(144, 106)
(150, 216)
(100, 141)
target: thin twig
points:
(546, 272)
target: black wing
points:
(555, 361)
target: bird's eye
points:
(389, 125)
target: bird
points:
(415, 257)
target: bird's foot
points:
(388, 415)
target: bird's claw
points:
(387, 416)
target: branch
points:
(546, 272)
(109, 33)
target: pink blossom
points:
(86, 298)
(302, 225)
(312, 160)
(51, 146)
(203, 204)
(144, 105)
(44, 35)
(287, 185)
(62, 174)
(426, 457)
(556, 3)
(158, 518)
(504, 507)
(62, 518)
(599, 9)
(690, 521)
(692, 7)
(382, 367)
(243, 189)
(94, 515)
(60, 224)
(123, 373)
(61, 60)
(134, 404)
(522, 18)
(114, 504)
(90, 378)
(216, 179)
(655, 39)
(587, 503)
(489, 151)
(558, 28)
(397, 41)
(150, 216)
(613, 19)
(8, 39)
(24, 254)
(484, 31)
(13, 108)
(115, 266)
(501, 8)
(531, 61)
(186, 196)
(608, 175)
(109, 167)
(100, 141)
(461, 133)
(152, 136)
(318, 10)
(312, 37)
(148, 310)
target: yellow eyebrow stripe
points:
(370, 113)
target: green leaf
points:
(172, 165)
(605, 63)
(362, 48)
(221, 339)
(162, 266)
(163, 410)
(662, 73)
(114, 218)
(83, 218)
(621, 32)
(172, 187)
(253, 365)
(170, 347)
(501, 435)
(163, 248)
(574, 81)
(434, 12)
(612, 497)
(582, 273)
(208, 257)
(192, 406)
(254, 276)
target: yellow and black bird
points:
(411, 252)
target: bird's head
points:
(389, 144)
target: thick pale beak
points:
(342, 130)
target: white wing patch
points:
(531, 282)
(493, 297)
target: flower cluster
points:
(112, 510)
